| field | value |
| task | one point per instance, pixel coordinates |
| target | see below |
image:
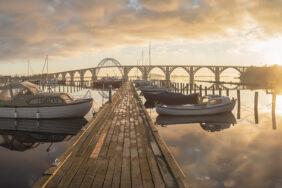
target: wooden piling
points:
(187, 89)
(238, 104)
(256, 107)
(273, 111)
(219, 91)
(200, 90)
(191, 87)
(227, 92)
(206, 90)
(178, 87)
(195, 88)
(212, 89)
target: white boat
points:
(209, 105)
(26, 101)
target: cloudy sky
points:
(79, 34)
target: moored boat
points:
(105, 82)
(152, 89)
(140, 83)
(209, 105)
(25, 101)
(171, 98)
(224, 118)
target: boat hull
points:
(76, 110)
(161, 110)
(171, 98)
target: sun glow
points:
(271, 51)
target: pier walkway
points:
(119, 148)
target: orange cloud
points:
(31, 28)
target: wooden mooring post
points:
(273, 111)
(200, 90)
(256, 107)
(238, 104)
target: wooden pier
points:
(119, 148)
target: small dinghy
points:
(171, 98)
(25, 101)
(209, 105)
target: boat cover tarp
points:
(16, 88)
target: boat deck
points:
(119, 148)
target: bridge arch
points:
(229, 74)
(234, 68)
(182, 71)
(203, 75)
(135, 73)
(87, 75)
(153, 68)
(60, 76)
(68, 76)
(108, 63)
(203, 67)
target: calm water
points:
(25, 155)
(223, 151)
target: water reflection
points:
(243, 156)
(21, 135)
(209, 123)
(29, 147)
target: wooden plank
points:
(111, 155)
(126, 166)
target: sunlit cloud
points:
(62, 28)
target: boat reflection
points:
(209, 123)
(22, 135)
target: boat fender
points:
(15, 115)
(37, 115)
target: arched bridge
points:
(144, 69)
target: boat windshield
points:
(67, 98)
(215, 101)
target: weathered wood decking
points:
(119, 148)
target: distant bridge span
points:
(144, 69)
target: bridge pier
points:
(94, 75)
(145, 73)
(167, 76)
(217, 77)
(71, 77)
(125, 73)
